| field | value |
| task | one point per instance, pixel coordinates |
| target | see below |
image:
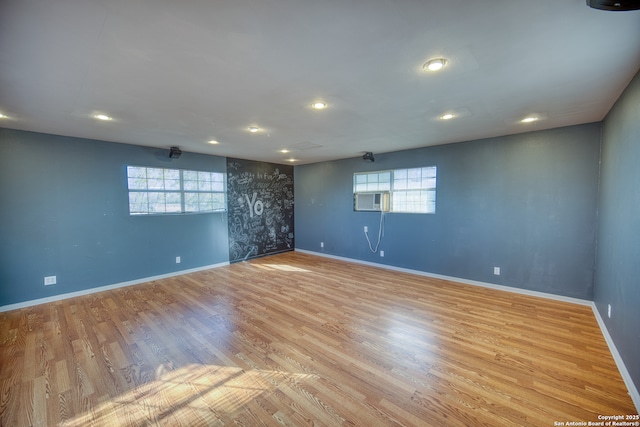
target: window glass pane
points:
(173, 202)
(136, 183)
(218, 201)
(430, 172)
(173, 198)
(156, 202)
(414, 173)
(138, 202)
(190, 185)
(204, 204)
(191, 202)
(172, 174)
(155, 173)
(172, 184)
(136, 172)
(155, 184)
(399, 184)
(414, 183)
(204, 185)
(428, 183)
(190, 175)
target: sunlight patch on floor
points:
(284, 267)
(190, 395)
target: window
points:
(412, 190)
(170, 191)
(373, 181)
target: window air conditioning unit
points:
(374, 202)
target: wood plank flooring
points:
(298, 340)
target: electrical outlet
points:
(178, 260)
(322, 244)
(496, 271)
(609, 310)
(366, 229)
(50, 280)
(382, 254)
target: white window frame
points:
(161, 191)
(412, 190)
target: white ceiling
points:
(184, 72)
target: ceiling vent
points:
(617, 5)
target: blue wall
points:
(618, 257)
(525, 203)
(65, 213)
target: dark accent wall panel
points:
(525, 203)
(260, 199)
(64, 212)
(618, 259)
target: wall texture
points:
(525, 203)
(65, 213)
(618, 255)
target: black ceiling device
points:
(616, 5)
(175, 153)
(368, 157)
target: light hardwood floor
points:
(295, 339)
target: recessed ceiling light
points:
(213, 142)
(102, 117)
(530, 119)
(253, 129)
(447, 116)
(434, 64)
(2, 116)
(319, 105)
(292, 160)
(284, 150)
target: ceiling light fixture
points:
(253, 129)
(447, 116)
(102, 117)
(284, 151)
(292, 160)
(213, 142)
(319, 105)
(2, 116)
(434, 64)
(530, 119)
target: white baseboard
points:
(631, 387)
(60, 297)
(456, 279)
(633, 391)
